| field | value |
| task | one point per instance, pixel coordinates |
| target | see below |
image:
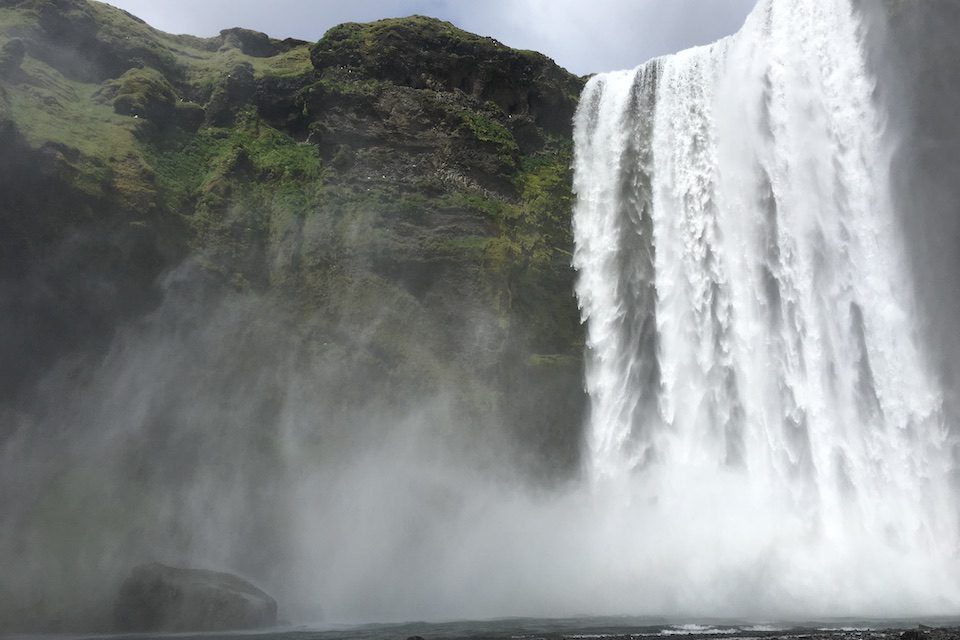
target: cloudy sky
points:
(583, 35)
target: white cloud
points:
(584, 36)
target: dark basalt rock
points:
(235, 90)
(256, 44)
(11, 56)
(426, 53)
(156, 597)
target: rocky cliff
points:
(230, 268)
(404, 177)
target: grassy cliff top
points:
(427, 53)
(86, 75)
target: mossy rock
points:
(234, 91)
(256, 44)
(426, 53)
(189, 115)
(141, 93)
(486, 129)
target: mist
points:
(217, 432)
(914, 51)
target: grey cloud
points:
(603, 35)
(584, 37)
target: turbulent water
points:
(759, 388)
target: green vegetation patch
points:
(348, 43)
(273, 160)
(50, 109)
(486, 129)
(140, 93)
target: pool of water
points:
(580, 629)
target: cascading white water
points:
(752, 348)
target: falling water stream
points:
(754, 363)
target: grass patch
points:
(486, 129)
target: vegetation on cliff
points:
(402, 178)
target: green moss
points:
(344, 83)
(202, 68)
(183, 60)
(196, 58)
(15, 21)
(279, 164)
(486, 129)
(50, 109)
(548, 200)
(554, 361)
(424, 26)
(492, 209)
(140, 93)
(293, 63)
(348, 43)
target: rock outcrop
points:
(156, 597)
(425, 53)
(403, 160)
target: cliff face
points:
(244, 267)
(402, 178)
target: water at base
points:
(762, 414)
(619, 628)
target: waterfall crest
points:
(752, 341)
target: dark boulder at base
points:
(156, 597)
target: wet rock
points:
(11, 56)
(235, 90)
(156, 597)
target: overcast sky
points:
(582, 35)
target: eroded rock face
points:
(426, 53)
(156, 597)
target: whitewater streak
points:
(757, 382)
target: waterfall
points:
(752, 341)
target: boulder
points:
(156, 597)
